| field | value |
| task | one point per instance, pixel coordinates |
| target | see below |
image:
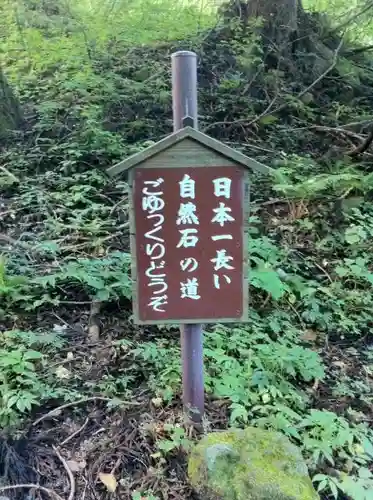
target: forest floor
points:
(112, 406)
(124, 438)
(90, 404)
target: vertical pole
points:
(184, 105)
(184, 89)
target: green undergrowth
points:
(311, 282)
(95, 94)
(27, 377)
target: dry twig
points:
(69, 473)
(69, 438)
(364, 146)
(359, 124)
(52, 493)
(351, 19)
(336, 130)
(55, 412)
(9, 174)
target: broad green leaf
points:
(239, 413)
(355, 234)
(268, 120)
(333, 489)
(365, 473)
(32, 355)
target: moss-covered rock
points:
(249, 464)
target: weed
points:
(23, 357)
(177, 439)
(147, 495)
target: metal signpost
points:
(189, 203)
(185, 112)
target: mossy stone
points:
(249, 464)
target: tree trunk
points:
(10, 111)
(281, 22)
(283, 13)
(288, 29)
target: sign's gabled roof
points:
(180, 135)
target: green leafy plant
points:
(338, 184)
(357, 487)
(103, 278)
(164, 359)
(10, 287)
(22, 387)
(147, 495)
(177, 439)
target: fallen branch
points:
(11, 241)
(52, 493)
(69, 438)
(337, 130)
(69, 473)
(273, 201)
(323, 271)
(326, 72)
(55, 412)
(364, 146)
(265, 112)
(76, 302)
(359, 50)
(30, 249)
(9, 174)
(284, 105)
(234, 122)
(360, 124)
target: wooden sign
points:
(189, 208)
(190, 244)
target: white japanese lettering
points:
(188, 238)
(157, 283)
(217, 280)
(189, 264)
(151, 236)
(153, 267)
(160, 219)
(222, 214)
(156, 302)
(153, 203)
(187, 214)
(189, 290)
(187, 187)
(222, 187)
(156, 183)
(218, 237)
(147, 193)
(221, 260)
(151, 248)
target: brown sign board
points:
(190, 243)
(189, 208)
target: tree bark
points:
(282, 13)
(281, 22)
(288, 29)
(11, 116)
